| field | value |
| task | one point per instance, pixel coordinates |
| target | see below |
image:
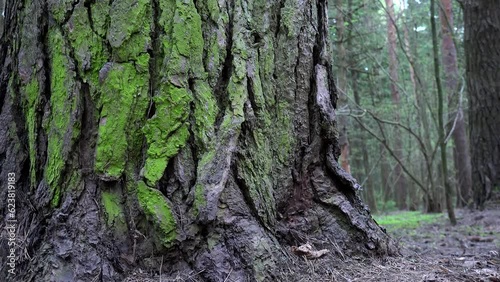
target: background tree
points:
(441, 129)
(456, 120)
(369, 91)
(482, 45)
(175, 136)
(401, 185)
(342, 86)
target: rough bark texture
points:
(456, 121)
(400, 186)
(482, 50)
(174, 136)
(2, 6)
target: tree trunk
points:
(368, 187)
(442, 129)
(342, 87)
(456, 120)
(2, 6)
(359, 141)
(393, 71)
(482, 45)
(174, 136)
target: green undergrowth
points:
(407, 219)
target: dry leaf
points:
(307, 251)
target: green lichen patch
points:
(158, 211)
(205, 113)
(59, 8)
(283, 140)
(255, 166)
(122, 91)
(183, 46)
(135, 46)
(114, 211)
(129, 29)
(89, 49)
(217, 160)
(167, 131)
(290, 16)
(128, 17)
(214, 37)
(200, 200)
(32, 90)
(100, 16)
(62, 126)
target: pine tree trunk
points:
(442, 129)
(173, 136)
(343, 121)
(456, 120)
(364, 162)
(401, 191)
(482, 45)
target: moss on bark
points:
(115, 216)
(124, 89)
(158, 211)
(61, 125)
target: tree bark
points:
(456, 120)
(482, 45)
(172, 136)
(2, 7)
(401, 192)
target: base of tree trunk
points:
(173, 137)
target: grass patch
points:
(406, 219)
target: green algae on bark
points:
(123, 89)
(89, 47)
(61, 126)
(32, 90)
(180, 73)
(128, 31)
(167, 131)
(158, 211)
(114, 211)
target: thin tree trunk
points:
(401, 189)
(482, 45)
(165, 135)
(456, 120)
(359, 142)
(342, 87)
(412, 192)
(418, 92)
(369, 186)
(444, 162)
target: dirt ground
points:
(468, 251)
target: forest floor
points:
(431, 251)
